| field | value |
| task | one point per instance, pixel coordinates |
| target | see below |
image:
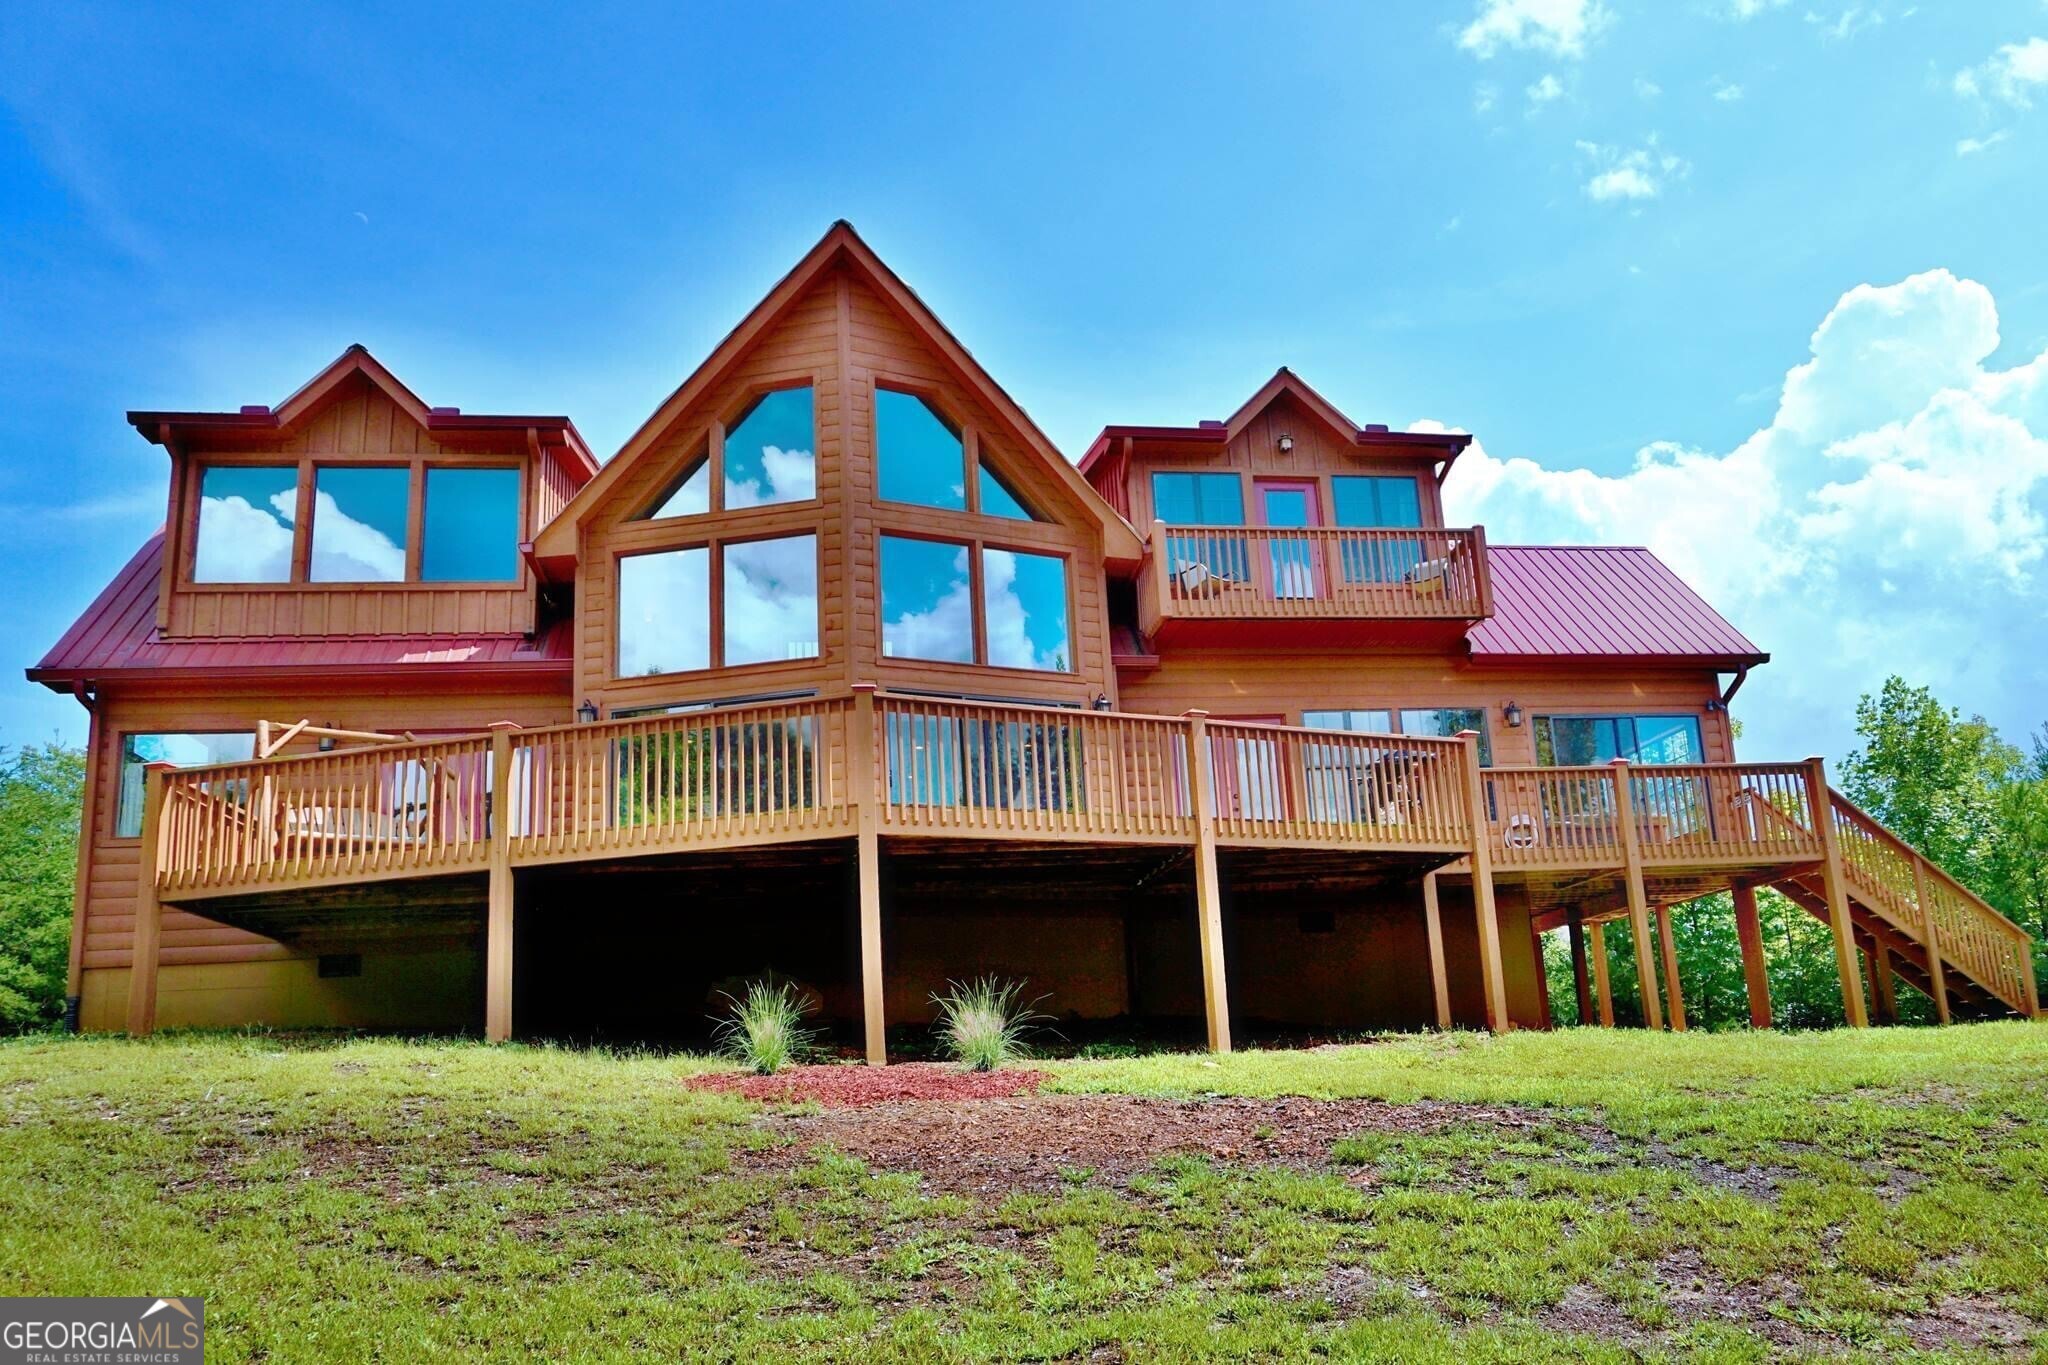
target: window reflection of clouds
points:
(359, 518)
(919, 458)
(769, 453)
(771, 600)
(690, 496)
(927, 612)
(1026, 610)
(245, 524)
(664, 612)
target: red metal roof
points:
(117, 636)
(1600, 602)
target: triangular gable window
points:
(998, 499)
(686, 495)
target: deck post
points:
(81, 880)
(1208, 886)
(1674, 997)
(1638, 898)
(862, 745)
(1492, 976)
(1575, 930)
(1937, 979)
(1603, 990)
(149, 908)
(1836, 885)
(1439, 981)
(498, 915)
(1884, 996)
(1750, 934)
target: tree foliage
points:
(41, 786)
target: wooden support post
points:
(1602, 988)
(1750, 934)
(1835, 884)
(1937, 977)
(81, 881)
(1491, 975)
(1674, 997)
(149, 910)
(1576, 931)
(498, 927)
(1884, 996)
(864, 742)
(1440, 982)
(1638, 898)
(1208, 886)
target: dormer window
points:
(472, 526)
(246, 516)
(360, 518)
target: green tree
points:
(41, 786)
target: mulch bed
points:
(1046, 1142)
(844, 1087)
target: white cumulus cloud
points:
(1629, 173)
(2012, 75)
(1558, 27)
(1892, 517)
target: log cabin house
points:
(411, 718)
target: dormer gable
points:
(355, 508)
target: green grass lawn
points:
(1583, 1196)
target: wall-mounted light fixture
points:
(1716, 705)
(1101, 702)
(587, 713)
(1286, 444)
(1512, 714)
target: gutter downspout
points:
(1741, 676)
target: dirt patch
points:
(1053, 1141)
(844, 1087)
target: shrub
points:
(982, 1023)
(765, 1028)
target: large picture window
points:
(1025, 606)
(185, 750)
(664, 612)
(1371, 500)
(360, 518)
(929, 609)
(927, 601)
(770, 451)
(1566, 741)
(771, 600)
(472, 526)
(1447, 722)
(246, 524)
(1190, 499)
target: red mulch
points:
(842, 1087)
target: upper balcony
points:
(1263, 585)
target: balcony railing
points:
(1254, 573)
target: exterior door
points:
(1294, 564)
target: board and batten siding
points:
(842, 338)
(359, 425)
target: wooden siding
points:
(1230, 683)
(362, 425)
(110, 866)
(841, 338)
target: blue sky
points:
(1600, 234)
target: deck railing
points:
(1570, 816)
(1280, 785)
(1317, 573)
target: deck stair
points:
(1926, 920)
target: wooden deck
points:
(1590, 842)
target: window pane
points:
(359, 520)
(184, 750)
(1026, 610)
(1566, 740)
(1447, 722)
(926, 611)
(998, 501)
(664, 612)
(688, 496)
(921, 460)
(245, 524)
(1198, 499)
(1376, 500)
(1669, 739)
(769, 452)
(771, 600)
(472, 530)
(1361, 722)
